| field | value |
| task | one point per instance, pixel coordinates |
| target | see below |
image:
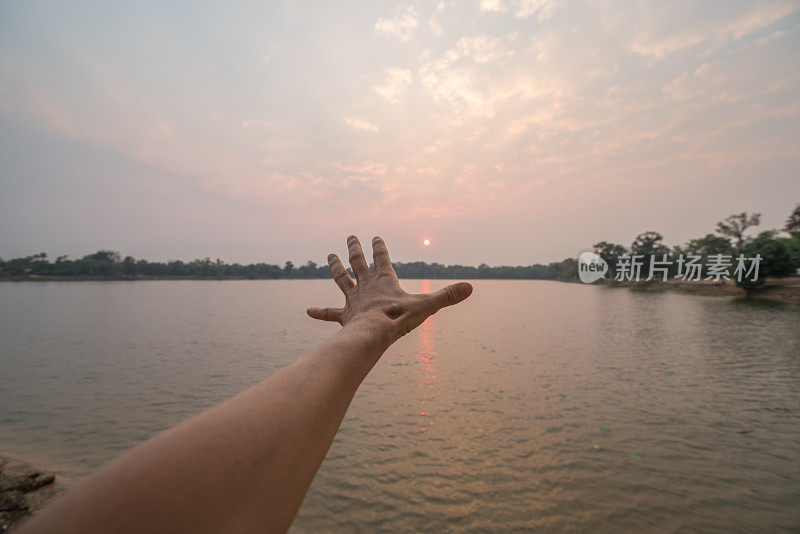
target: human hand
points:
(375, 301)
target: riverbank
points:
(775, 289)
(87, 278)
(23, 490)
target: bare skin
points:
(246, 464)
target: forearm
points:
(244, 465)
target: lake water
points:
(533, 405)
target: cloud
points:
(402, 26)
(369, 167)
(527, 8)
(454, 87)
(682, 88)
(492, 5)
(435, 27)
(256, 122)
(721, 82)
(461, 90)
(360, 124)
(482, 49)
(523, 9)
(543, 47)
(543, 117)
(436, 146)
(395, 84)
(454, 80)
(658, 37)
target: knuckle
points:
(450, 295)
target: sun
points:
(427, 242)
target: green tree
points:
(610, 252)
(649, 244)
(101, 263)
(793, 223)
(568, 269)
(309, 270)
(776, 256)
(776, 259)
(129, 266)
(735, 226)
(109, 256)
(708, 245)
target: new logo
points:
(591, 267)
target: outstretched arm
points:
(246, 464)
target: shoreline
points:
(24, 489)
(775, 289)
(785, 290)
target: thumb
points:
(325, 314)
(452, 294)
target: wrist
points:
(370, 333)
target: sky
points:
(505, 131)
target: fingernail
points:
(376, 238)
(331, 256)
(466, 289)
(352, 237)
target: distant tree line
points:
(109, 264)
(780, 257)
